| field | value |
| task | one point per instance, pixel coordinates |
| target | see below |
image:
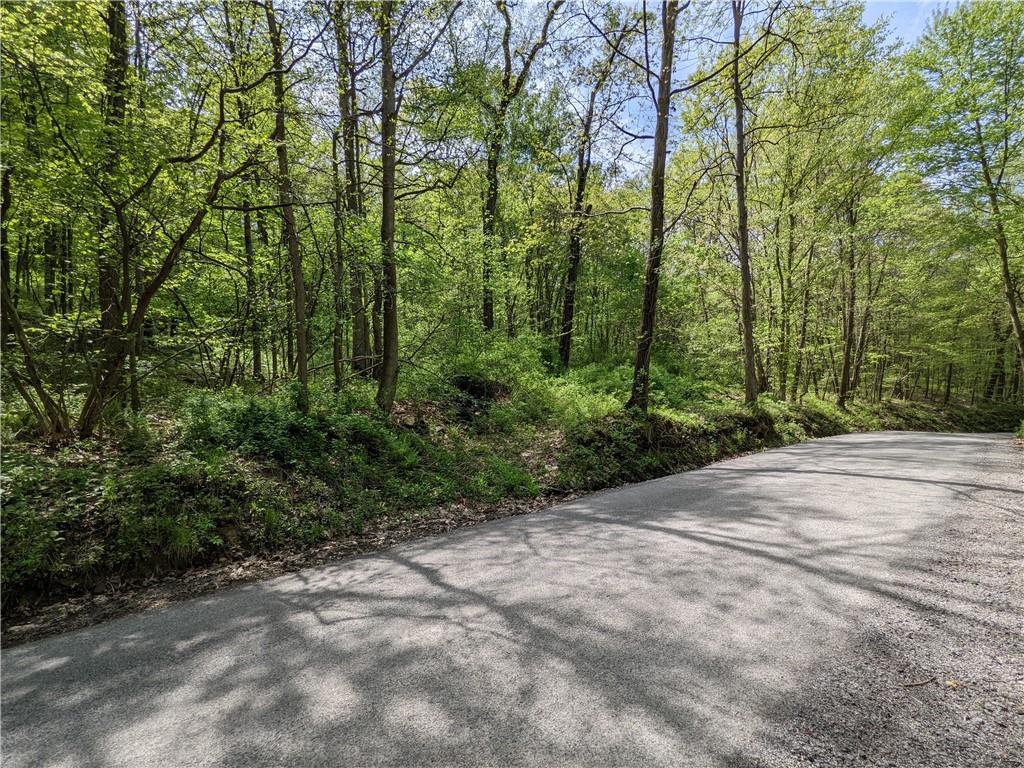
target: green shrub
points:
(72, 517)
(819, 418)
(33, 540)
(669, 389)
(626, 447)
(134, 436)
(499, 358)
(364, 462)
(175, 513)
(260, 426)
(56, 524)
(500, 478)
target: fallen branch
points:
(923, 682)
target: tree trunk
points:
(801, 341)
(569, 296)
(109, 288)
(5, 255)
(1010, 293)
(287, 209)
(640, 394)
(253, 290)
(997, 376)
(849, 312)
(1014, 389)
(337, 271)
(251, 283)
(751, 386)
(51, 248)
(376, 313)
(786, 307)
(388, 377)
(1009, 284)
(575, 234)
(489, 226)
(65, 282)
(348, 113)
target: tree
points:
(496, 108)
(285, 197)
(601, 75)
(391, 81)
(751, 387)
(971, 132)
(640, 394)
(348, 195)
(181, 203)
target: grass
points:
(228, 474)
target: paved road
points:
(674, 622)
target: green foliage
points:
(74, 517)
(669, 387)
(174, 512)
(360, 457)
(500, 478)
(499, 359)
(625, 447)
(628, 447)
(33, 534)
(134, 435)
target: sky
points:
(908, 20)
(908, 17)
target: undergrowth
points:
(227, 474)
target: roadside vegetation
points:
(228, 474)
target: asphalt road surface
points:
(853, 600)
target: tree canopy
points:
(775, 197)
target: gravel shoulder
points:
(935, 676)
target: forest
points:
(280, 273)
